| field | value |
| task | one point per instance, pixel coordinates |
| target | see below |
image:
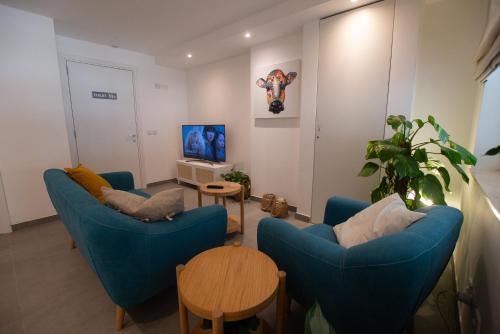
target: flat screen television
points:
(204, 142)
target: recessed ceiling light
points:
(189, 55)
(248, 35)
(353, 1)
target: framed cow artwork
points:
(277, 91)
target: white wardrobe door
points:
(353, 76)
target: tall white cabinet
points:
(353, 85)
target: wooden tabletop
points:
(235, 280)
(230, 188)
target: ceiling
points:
(170, 29)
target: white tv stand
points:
(196, 172)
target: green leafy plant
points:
(316, 323)
(493, 151)
(241, 178)
(412, 169)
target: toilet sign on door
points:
(104, 95)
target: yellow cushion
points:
(88, 180)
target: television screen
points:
(205, 142)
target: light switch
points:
(161, 86)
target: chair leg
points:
(410, 327)
(119, 316)
(72, 244)
(288, 305)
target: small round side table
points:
(234, 223)
(230, 283)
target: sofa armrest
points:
(339, 209)
(308, 260)
(120, 180)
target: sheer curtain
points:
(488, 55)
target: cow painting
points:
(275, 85)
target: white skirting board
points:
(4, 212)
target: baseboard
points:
(161, 182)
(185, 184)
(302, 217)
(49, 219)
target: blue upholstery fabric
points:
(120, 180)
(375, 287)
(133, 260)
(323, 231)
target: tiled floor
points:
(47, 288)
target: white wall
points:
(445, 87)
(275, 143)
(476, 259)
(159, 110)
(219, 93)
(32, 125)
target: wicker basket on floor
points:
(280, 208)
(267, 202)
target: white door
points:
(103, 106)
(353, 76)
(4, 212)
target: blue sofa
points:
(375, 287)
(133, 260)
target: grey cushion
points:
(164, 204)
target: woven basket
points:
(267, 202)
(280, 208)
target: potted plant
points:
(241, 178)
(412, 169)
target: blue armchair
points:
(133, 260)
(375, 287)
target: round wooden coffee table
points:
(229, 283)
(234, 223)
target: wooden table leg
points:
(224, 200)
(183, 312)
(281, 302)
(410, 327)
(242, 211)
(217, 322)
(119, 316)
(199, 198)
(216, 199)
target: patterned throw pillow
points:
(384, 217)
(163, 205)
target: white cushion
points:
(163, 205)
(387, 216)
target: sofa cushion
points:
(89, 180)
(323, 231)
(385, 217)
(164, 204)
